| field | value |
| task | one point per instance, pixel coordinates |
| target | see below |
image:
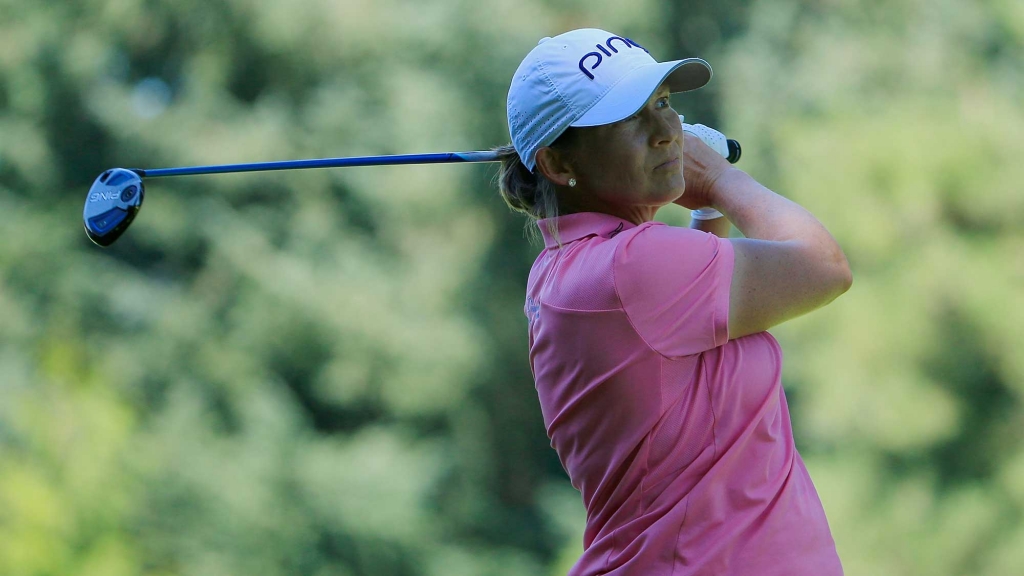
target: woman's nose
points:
(664, 131)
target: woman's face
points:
(632, 167)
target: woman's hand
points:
(702, 167)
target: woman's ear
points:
(554, 166)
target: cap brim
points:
(635, 88)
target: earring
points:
(572, 182)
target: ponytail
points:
(526, 192)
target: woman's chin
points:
(671, 195)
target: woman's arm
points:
(787, 265)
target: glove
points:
(713, 138)
(719, 143)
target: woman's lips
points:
(670, 164)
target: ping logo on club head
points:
(604, 49)
(106, 195)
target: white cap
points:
(587, 77)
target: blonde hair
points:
(529, 193)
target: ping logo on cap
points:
(626, 42)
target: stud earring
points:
(572, 182)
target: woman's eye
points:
(659, 104)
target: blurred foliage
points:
(324, 372)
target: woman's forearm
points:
(761, 214)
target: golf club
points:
(116, 195)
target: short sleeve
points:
(674, 284)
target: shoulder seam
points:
(622, 305)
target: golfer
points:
(659, 385)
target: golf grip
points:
(735, 151)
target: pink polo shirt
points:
(678, 439)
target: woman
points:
(659, 386)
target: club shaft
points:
(389, 160)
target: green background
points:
(325, 372)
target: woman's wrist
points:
(705, 214)
(720, 227)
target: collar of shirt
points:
(572, 227)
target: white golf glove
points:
(713, 138)
(719, 143)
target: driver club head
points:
(114, 200)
